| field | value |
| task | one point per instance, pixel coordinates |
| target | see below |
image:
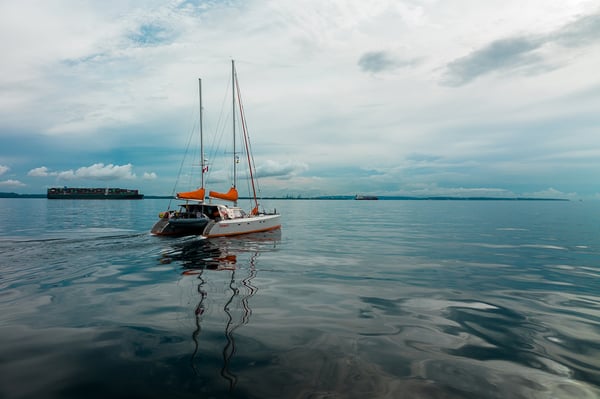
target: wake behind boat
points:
(197, 217)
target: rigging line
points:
(191, 135)
(246, 177)
(220, 124)
(251, 153)
(219, 131)
(190, 173)
(217, 145)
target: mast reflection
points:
(199, 259)
(250, 290)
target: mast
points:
(233, 116)
(201, 133)
(247, 145)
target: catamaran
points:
(197, 216)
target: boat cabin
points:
(210, 211)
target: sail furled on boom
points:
(193, 195)
(231, 195)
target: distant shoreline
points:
(341, 197)
(432, 198)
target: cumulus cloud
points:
(516, 52)
(12, 183)
(149, 176)
(9, 182)
(97, 171)
(42, 171)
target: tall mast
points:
(233, 116)
(201, 133)
(247, 144)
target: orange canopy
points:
(231, 195)
(195, 195)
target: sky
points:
(400, 97)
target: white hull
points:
(245, 225)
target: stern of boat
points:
(161, 227)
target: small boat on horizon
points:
(196, 216)
(365, 197)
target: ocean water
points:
(351, 299)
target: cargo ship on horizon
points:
(93, 193)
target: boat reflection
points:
(196, 254)
(232, 263)
(232, 325)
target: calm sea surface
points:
(352, 299)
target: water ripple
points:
(386, 299)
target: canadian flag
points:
(205, 169)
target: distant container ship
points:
(93, 193)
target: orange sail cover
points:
(231, 195)
(195, 195)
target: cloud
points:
(268, 168)
(3, 169)
(520, 51)
(379, 61)
(97, 171)
(11, 183)
(551, 193)
(581, 32)
(39, 172)
(271, 168)
(150, 34)
(122, 80)
(498, 55)
(426, 190)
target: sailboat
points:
(225, 218)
